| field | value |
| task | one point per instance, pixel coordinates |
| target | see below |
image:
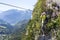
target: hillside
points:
(5, 28)
(20, 28)
(45, 23)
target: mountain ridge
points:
(13, 15)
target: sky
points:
(28, 4)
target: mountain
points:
(41, 26)
(21, 25)
(33, 29)
(5, 28)
(18, 17)
(13, 15)
(20, 28)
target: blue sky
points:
(28, 4)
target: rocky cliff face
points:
(45, 21)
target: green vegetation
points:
(45, 20)
(34, 24)
(52, 24)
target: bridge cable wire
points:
(13, 6)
